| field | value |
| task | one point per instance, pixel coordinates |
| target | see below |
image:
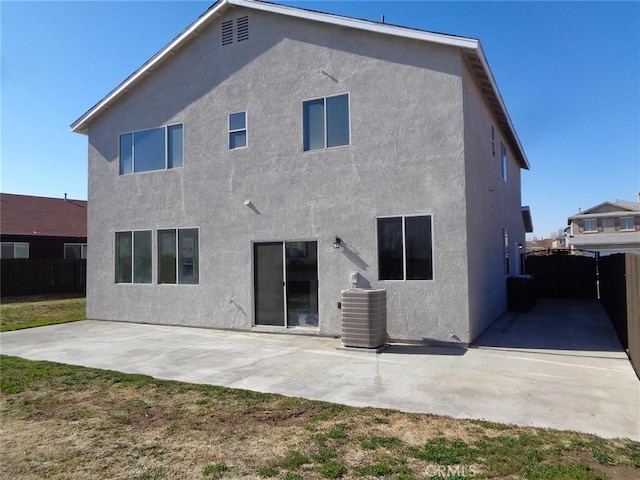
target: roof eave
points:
(480, 66)
(81, 125)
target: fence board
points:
(632, 269)
(560, 275)
(613, 293)
(620, 295)
(31, 276)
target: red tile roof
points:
(42, 216)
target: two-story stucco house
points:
(241, 176)
(610, 227)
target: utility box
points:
(364, 317)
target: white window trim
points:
(83, 248)
(503, 160)
(14, 244)
(245, 130)
(166, 149)
(133, 241)
(404, 248)
(348, 94)
(157, 282)
(633, 224)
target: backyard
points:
(62, 421)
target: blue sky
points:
(569, 73)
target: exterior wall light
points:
(337, 242)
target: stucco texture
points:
(408, 102)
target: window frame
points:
(13, 248)
(177, 255)
(627, 219)
(133, 259)
(325, 120)
(83, 250)
(404, 248)
(590, 221)
(237, 130)
(165, 130)
(503, 159)
(493, 141)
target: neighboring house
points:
(607, 228)
(241, 175)
(41, 227)
(540, 244)
(559, 242)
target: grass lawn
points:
(40, 310)
(66, 422)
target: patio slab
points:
(559, 366)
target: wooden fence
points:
(563, 273)
(34, 276)
(620, 295)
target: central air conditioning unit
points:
(364, 318)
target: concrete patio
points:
(558, 366)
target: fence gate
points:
(564, 273)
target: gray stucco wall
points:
(491, 205)
(406, 156)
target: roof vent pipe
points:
(382, 21)
(65, 197)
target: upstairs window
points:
(590, 225)
(405, 248)
(14, 250)
(325, 122)
(503, 151)
(493, 141)
(154, 149)
(237, 130)
(627, 224)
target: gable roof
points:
(616, 209)
(42, 216)
(470, 47)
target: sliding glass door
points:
(286, 283)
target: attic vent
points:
(243, 28)
(227, 32)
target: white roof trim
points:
(82, 123)
(405, 32)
